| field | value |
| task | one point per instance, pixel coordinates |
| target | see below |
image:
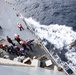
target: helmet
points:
(15, 34)
(3, 44)
(7, 36)
(20, 41)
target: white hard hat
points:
(20, 41)
(15, 35)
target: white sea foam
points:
(59, 35)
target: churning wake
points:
(58, 35)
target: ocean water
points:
(62, 12)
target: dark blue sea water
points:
(62, 12)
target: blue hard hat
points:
(7, 36)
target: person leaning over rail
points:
(29, 44)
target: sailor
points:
(29, 44)
(22, 43)
(16, 50)
(21, 51)
(20, 26)
(9, 40)
(17, 38)
(9, 48)
(4, 47)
